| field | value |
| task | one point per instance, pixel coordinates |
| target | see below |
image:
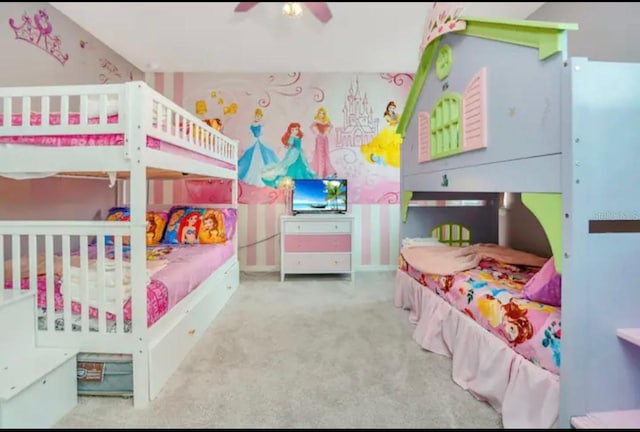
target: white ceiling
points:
(210, 37)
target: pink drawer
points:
(317, 263)
(317, 243)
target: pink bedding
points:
(89, 140)
(187, 267)
(491, 294)
(444, 260)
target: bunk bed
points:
(101, 286)
(498, 106)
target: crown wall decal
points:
(37, 31)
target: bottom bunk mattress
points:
(490, 293)
(174, 272)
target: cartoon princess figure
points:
(212, 228)
(294, 163)
(172, 225)
(257, 156)
(151, 228)
(517, 327)
(215, 123)
(384, 148)
(321, 162)
(189, 227)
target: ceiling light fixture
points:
(292, 9)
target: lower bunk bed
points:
(85, 297)
(174, 271)
(472, 304)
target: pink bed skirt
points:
(526, 395)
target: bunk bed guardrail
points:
(50, 258)
(105, 109)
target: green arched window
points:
(452, 234)
(446, 126)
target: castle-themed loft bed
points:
(146, 282)
(496, 106)
(469, 302)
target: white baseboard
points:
(375, 268)
(260, 269)
(362, 268)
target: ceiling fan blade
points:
(320, 10)
(245, 6)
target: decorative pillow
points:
(213, 228)
(156, 223)
(230, 217)
(116, 214)
(218, 225)
(545, 286)
(184, 225)
(175, 217)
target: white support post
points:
(234, 194)
(135, 139)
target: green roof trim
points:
(428, 55)
(547, 37)
(547, 207)
(404, 203)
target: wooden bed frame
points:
(142, 112)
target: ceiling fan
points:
(319, 9)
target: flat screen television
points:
(319, 196)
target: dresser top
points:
(316, 217)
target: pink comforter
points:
(444, 260)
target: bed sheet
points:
(91, 140)
(187, 266)
(491, 295)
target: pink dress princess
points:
(321, 163)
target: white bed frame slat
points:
(33, 263)
(100, 282)
(64, 110)
(119, 312)
(84, 283)
(50, 287)
(66, 285)
(15, 256)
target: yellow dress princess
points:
(384, 148)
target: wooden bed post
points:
(135, 139)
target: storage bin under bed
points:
(105, 374)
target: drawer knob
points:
(191, 332)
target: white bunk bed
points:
(154, 139)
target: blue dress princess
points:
(255, 158)
(294, 165)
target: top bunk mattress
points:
(91, 140)
(490, 293)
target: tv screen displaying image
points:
(319, 195)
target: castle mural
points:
(304, 126)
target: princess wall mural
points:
(321, 127)
(294, 164)
(306, 126)
(257, 156)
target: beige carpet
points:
(313, 352)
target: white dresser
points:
(316, 244)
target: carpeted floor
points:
(313, 352)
